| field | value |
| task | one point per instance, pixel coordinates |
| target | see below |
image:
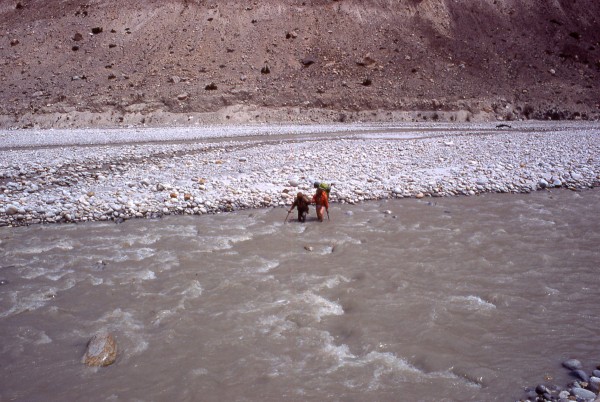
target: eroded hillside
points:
(99, 62)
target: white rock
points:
(11, 210)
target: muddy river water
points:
(439, 299)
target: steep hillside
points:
(153, 62)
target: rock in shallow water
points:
(583, 394)
(582, 375)
(101, 350)
(572, 364)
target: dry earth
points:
(75, 63)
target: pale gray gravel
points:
(81, 175)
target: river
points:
(438, 299)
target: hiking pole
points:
(328, 215)
(285, 221)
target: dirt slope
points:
(109, 63)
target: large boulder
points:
(101, 350)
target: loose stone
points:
(584, 394)
(101, 350)
(582, 375)
(12, 210)
(572, 364)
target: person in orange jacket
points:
(322, 203)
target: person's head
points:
(299, 195)
(316, 184)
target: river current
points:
(439, 299)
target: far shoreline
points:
(151, 116)
(55, 176)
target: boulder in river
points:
(101, 350)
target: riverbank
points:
(63, 176)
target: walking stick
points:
(285, 221)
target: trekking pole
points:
(285, 221)
(327, 215)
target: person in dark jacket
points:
(301, 202)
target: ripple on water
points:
(24, 300)
(384, 367)
(43, 247)
(319, 306)
(536, 221)
(131, 331)
(472, 303)
(209, 244)
(193, 291)
(142, 253)
(257, 264)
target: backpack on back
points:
(325, 187)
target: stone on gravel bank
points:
(585, 388)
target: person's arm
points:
(292, 207)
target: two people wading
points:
(320, 199)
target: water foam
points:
(43, 339)
(274, 326)
(96, 281)
(209, 244)
(341, 353)
(385, 364)
(193, 291)
(260, 265)
(472, 302)
(33, 272)
(62, 244)
(147, 275)
(161, 315)
(335, 281)
(149, 239)
(143, 253)
(124, 322)
(199, 372)
(22, 301)
(321, 306)
(55, 276)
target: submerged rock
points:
(101, 350)
(572, 364)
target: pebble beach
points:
(70, 176)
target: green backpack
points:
(323, 186)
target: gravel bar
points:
(60, 176)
